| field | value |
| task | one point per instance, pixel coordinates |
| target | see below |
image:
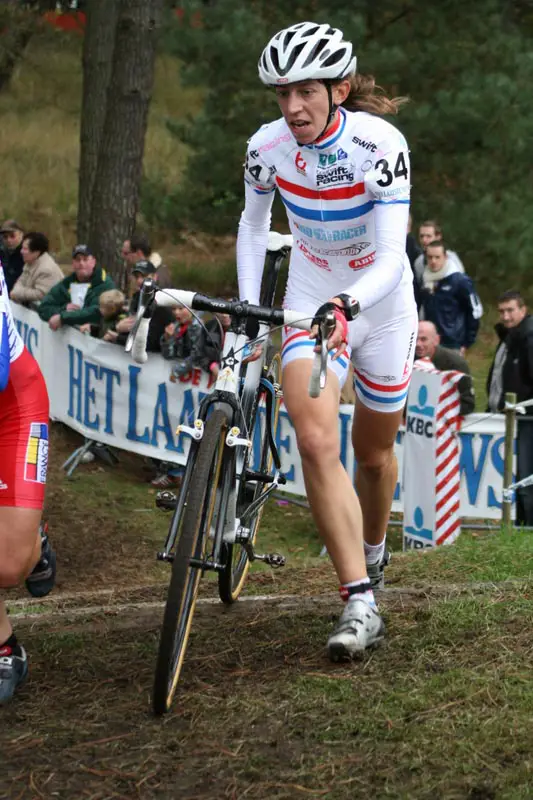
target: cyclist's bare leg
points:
(330, 492)
(373, 437)
(20, 550)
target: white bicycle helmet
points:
(306, 51)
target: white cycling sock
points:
(374, 552)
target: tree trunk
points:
(16, 29)
(98, 47)
(118, 176)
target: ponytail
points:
(366, 96)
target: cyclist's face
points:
(305, 106)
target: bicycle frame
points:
(226, 395)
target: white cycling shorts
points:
(382, 353)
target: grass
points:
(442, 710)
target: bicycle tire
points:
(237, 563)
(182, 593)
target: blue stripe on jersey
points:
(377, 397)
(329, 216)
(4, 352)
(390, 202)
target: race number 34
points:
(399, 170)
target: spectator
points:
(138, 248)
(74, 300)
(213, 342)
(40, 271)
(430, 231)
(183, 342)
(161, 318)
(112, 309)
(449, 300)
(427, 346)
(11, 255)
(512, 371)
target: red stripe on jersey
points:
(340, 193)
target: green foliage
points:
(467, 66)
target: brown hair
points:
(431, 223)
(366, 96)
(111, 301)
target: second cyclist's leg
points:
(334, 505)
(20, 550)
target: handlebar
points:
(150, 297)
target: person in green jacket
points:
(75, 299)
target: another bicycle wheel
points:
(204, 506)
(231, 579)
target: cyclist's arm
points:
(254, 225)
(389, 185)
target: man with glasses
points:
(10, 252)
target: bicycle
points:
(217, 513)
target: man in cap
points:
(10, 251)
(75, 299)
(161, 318)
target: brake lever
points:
(326, 328)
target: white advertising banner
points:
(419, 519)
(97, 389)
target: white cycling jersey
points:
(347, 201)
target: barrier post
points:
(510, 414)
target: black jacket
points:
(413, 250)
(455, 310)
(517, 373)
(13, 264)
(445, 359)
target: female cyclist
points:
(343, 175)
(24, 551)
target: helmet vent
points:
(332, 59)
(313, 55)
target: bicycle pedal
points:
(274, 560)
(166, 500)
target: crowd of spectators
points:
(87, 298)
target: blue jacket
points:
(455, 309)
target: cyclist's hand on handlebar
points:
(338, 337)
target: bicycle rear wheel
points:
(232, 578)
(204, 506)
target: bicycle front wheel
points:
(200, 515)
(232, 578)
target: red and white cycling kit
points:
(23, 417)
(347, 202)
